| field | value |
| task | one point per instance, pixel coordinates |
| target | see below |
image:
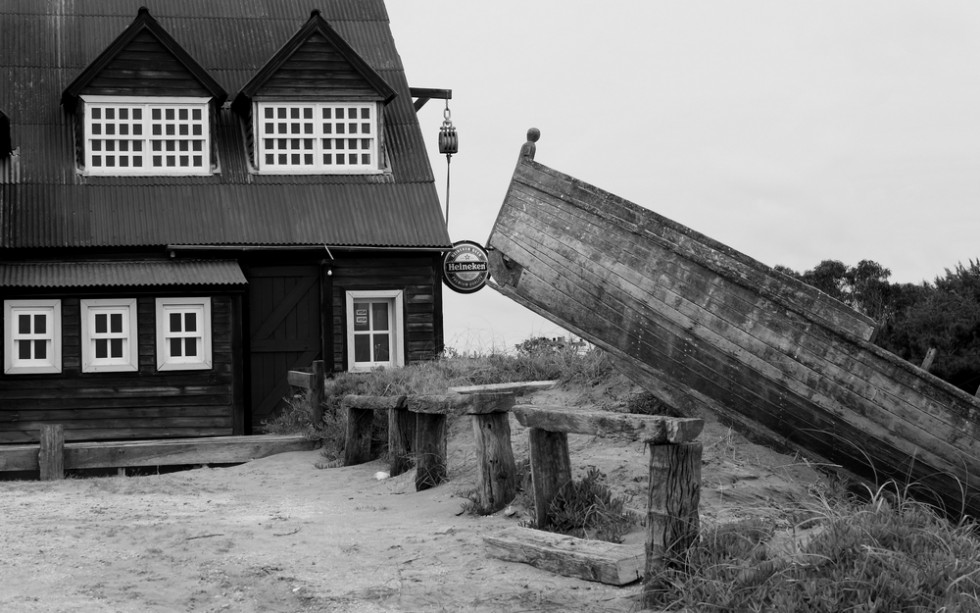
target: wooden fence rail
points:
(53, 456)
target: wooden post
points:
(496, 475)
(316, 394)
(51, 456)
(551, 468)
(401, 435)
(929, 359)
(430, 450)
(357, 448)
(672, 515)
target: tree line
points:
(913, 318)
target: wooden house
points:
(196, 197)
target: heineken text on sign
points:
(464, 267)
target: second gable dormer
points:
(316, 107)
(144, 107)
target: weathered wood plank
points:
(483, 403)
(496, 471)
(19, 457)
(551, 468)
(517, 387)
(430, 450)
(173, 452)
(300, 379)
(674, 494)
(460, 404)
(317, 392)
(51, 456)
(656, 429)
(357, 445)
(714, 328)
(649, 227)
(401, 437)
(599, 561)
(433, 404)
(373, 403)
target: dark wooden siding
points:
(417, 276)
(317, 72)
(129, 405)
(145, 68)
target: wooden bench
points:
(674, 490)
(417, 431)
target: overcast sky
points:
(793, 131)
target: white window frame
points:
(90, 309)
(124, 135)
(12, 362)
(395, 299)
(202, 308)
(300, 142)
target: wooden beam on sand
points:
(609, 563)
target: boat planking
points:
(701, 325)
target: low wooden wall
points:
(53, 456)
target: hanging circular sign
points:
(465, 267)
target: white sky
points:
(793, 131)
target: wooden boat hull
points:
(703, 326)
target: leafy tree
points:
(911, 318)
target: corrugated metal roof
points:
(120, 274)
(45, 202)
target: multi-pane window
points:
(321, 137)
(183, 333)
(109, 335)
(32, 336)
(129, 136)
(374, 329)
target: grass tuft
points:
(881, 553)
(586, 508)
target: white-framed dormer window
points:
(317, 138)
(375, 330)
(127, 135)
(31, 336)
(183, 333)
(109, 335)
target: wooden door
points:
(284, 332)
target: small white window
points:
(109, 336)
(375, 336)
(147, 136)
(183, 333)
(317, 138)
(31, 336)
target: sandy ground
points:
(280, 535)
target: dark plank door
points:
(284, 332)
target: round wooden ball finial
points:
(142, 10)
(315, 13)
(528, 149)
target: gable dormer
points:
(144, 107)
(315, 107)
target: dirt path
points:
(280, 535)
